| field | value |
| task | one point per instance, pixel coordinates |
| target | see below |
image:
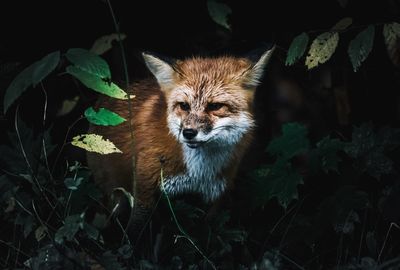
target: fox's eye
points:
(214, 106)
(184, 106)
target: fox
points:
(192, 118)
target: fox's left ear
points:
(255, 73)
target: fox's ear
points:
(163, 71)
(255, 73)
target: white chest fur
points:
(203, 172)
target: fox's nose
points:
(189, 133)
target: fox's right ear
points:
(163, 71)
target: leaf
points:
(44, 67)
(219, 13)
(40, 233)
(342, 24)
(297, 49)
(361, 46)
(104, 43)
(327, 150)
(71, 226)
(103, 117)
(73, 183)
(322, 48)
(127, 194)
(89, 62)
(95, 143)
(91, 231)
(96, 83)
(32, 74)
(279, 180)
(391, 33)
(293, 141)
(67, 106)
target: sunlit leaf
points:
(95, 143)
(89, 62)
(391, 33)
(219, 13)
(96, 83)
(293, 141)
(103, 117)
(297, 49)
(104, 43)
(322, 48)
(361, 46)
(31, 75)
(342, 24)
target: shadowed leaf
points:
(361, 46)
(297, 49)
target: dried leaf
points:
(95, 143)
(322, 49)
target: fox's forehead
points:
(200, 74)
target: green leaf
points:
(96, 83)
(368, 149)
(219, 13)
(279, 180)
(361, 46)
(292, 142)
(73, 183)
(71, 226)
(44, 67)
(297, 49)
(391, 33)
(322, 48)
(103, 117)
(89, 62)
(95, 143)
(327, 150)
(32, 74)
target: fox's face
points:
(209, 99)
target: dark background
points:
(32, 29)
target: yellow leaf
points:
(322, 49)
(104, 43)
(391, 33)
(95, 143)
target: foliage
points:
(361, 46)
(297, 49)
(322, 48)
(219, 12)
(103, 117)
(95, 143)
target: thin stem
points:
(184, 234)
(386, 238)
(44, 126)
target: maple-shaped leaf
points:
(293, 141)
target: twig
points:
(44, 126)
